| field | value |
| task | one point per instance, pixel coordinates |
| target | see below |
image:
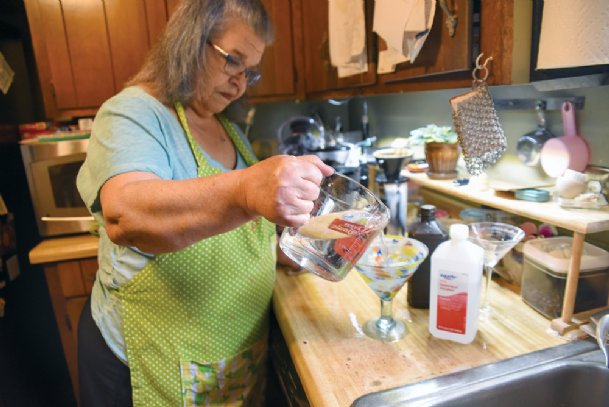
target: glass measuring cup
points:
(345, 218)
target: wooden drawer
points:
(70, 278)
(77, 277)
(74, 307)
(88, 271)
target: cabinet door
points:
(86, 49)
(171, 6)
(131, 27)
(72, 53)
(320, 75)
(441, 53)
(281, 60)
(70, 278)
(69, 284)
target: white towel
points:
(347, 36)
(404, 25)
(574, 33)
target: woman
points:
(179, 310)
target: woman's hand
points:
(159, 216)
(282, 188)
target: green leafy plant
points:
(433, 133)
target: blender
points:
(392, 186)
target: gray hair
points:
(177, 61)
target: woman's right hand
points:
(282, 188)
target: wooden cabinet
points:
(69, 284)
(501, 29)
(320, 75)
(498, 29)
(441, 53)
(283, 59)
(86, 50)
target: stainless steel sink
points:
(569, 375)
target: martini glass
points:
(496, 239)
(386, 265)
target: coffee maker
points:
(392, 187)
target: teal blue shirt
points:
(132, 131)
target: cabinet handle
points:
(66, 218)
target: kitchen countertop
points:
(64, 248)
(336, 363)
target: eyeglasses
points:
(234, 66)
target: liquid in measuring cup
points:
(329, 245)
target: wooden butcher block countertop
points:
(321, 323)
(336, 363)
(64, 249)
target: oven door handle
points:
(66, 218)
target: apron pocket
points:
(225, 381)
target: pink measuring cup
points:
(569, 151)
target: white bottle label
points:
(452, 301)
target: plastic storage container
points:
(546, 262)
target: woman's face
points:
(218, 88)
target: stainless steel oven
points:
(51, 167)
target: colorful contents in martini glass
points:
(385, 267)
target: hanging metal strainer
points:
(477, 125)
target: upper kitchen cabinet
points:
(498, 29)
(505, 35)
(86, 50)
(171, 5)
(446, 50)
(574, 54)
(282, 59)
(321, 77)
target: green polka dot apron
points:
(196, 321)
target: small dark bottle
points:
(428, 231)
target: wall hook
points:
(480, 68)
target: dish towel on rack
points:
(574, 33)
(347, 36)
(404, 25)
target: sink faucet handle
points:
(602, 330)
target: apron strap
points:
(238, 142)
(249, 158)
(199, 158)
